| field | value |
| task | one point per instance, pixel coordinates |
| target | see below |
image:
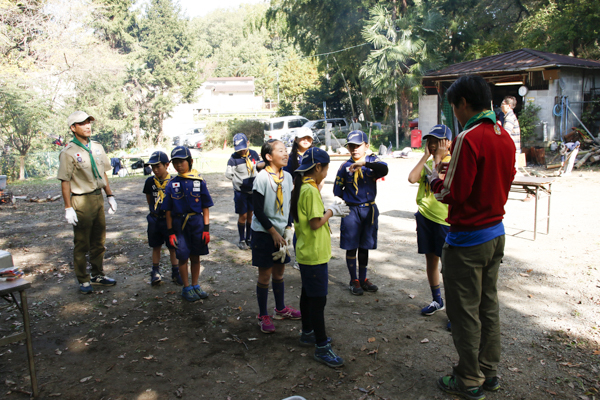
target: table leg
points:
(536, 208)
(549, 195)
(25, 311)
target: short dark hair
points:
(267, 148)
(511, 101)
(474, 89)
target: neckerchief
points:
(160, 185)
(249, 164)
(193, 174)
(278, 179)
(357, 174)
(482, 115)
(89, 150)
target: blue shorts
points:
(157, 231)
(262, 250)
(315, 279)
(190, 240)
(431, 236)
(243, 202)
(359, 228)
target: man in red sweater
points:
(475, 186)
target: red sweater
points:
(479, 176)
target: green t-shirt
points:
(313, 247)
(429, 207)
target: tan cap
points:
(78, 116)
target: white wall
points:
(428, 112)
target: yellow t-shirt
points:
(429, 207)
(313, 247)
(75, 167)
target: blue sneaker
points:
(308, 339)
(325, 355)
(85, 288)
(175, 277)
(201, 293)
(155, 277)
(433, 308)
(103, 280)
(189, 294)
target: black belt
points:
(367, 204)
(158, 216)
(97, 191)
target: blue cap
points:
(158, 157)
(357, 137)
(180, 152)
(240, 142)
(440, 132)
(312, 157)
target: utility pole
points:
(395, 86)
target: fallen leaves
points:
(163, 339)
(425, 340)
(371, 339)
(83, 380)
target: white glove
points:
(71, 216)
(339, 209)
(288, 236)
(279, 255)
(113, 205)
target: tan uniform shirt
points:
(75, 166)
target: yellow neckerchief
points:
(310, 181)
(160, 185)
(193, 174)
(278, 179)
(358, 173)
(249, 164)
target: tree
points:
(22, 114)
(403, 51)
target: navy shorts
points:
(157, 231)
(243, 202)
(315, 279)
(190, 240)
(262, 250)
(359, 228)
(431, 236)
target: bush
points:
(218, 132)
(528, 120)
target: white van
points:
(275, 128)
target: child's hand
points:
(278, 240)
(443, 147)
(356, 166)
(427, 153)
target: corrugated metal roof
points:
(234, 88)
(513, 61)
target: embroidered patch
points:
(497, 130)
(98, 151)
(79, 159)
(175, 184)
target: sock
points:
(307, 326)
(156, 267)
(175, 269)
(248, 231)
(317, 306)
(262, 295)
(363, 260)
(278, 292)
(436, 292)
(241, 228)
(351, 264)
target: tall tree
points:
(171, 59)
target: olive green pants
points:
(470, 278)
(89, 235)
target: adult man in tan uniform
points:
(82, 175)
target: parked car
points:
(275, 128)
(194, 138)
(414, 124)
(339, 128)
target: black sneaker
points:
(155, 277)
(368, 286)
(308, 339)
(326, 356)
(175, 277)
(242, 245)
(491, 384)
(449, 384)
(103, 280)
(355, 288)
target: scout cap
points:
(240, 142)
(180, 152)
(158, 157)
(440, 132)
(78, 116)
(312, 157)
(357, 137)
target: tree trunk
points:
(22, 167)
(136, 124)
(159, 137)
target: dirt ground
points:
(134, 341)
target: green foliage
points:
(285, 109)
(216, 134)
(254, 130)
(528, 120)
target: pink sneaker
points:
(265, 323)
(287, 313)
